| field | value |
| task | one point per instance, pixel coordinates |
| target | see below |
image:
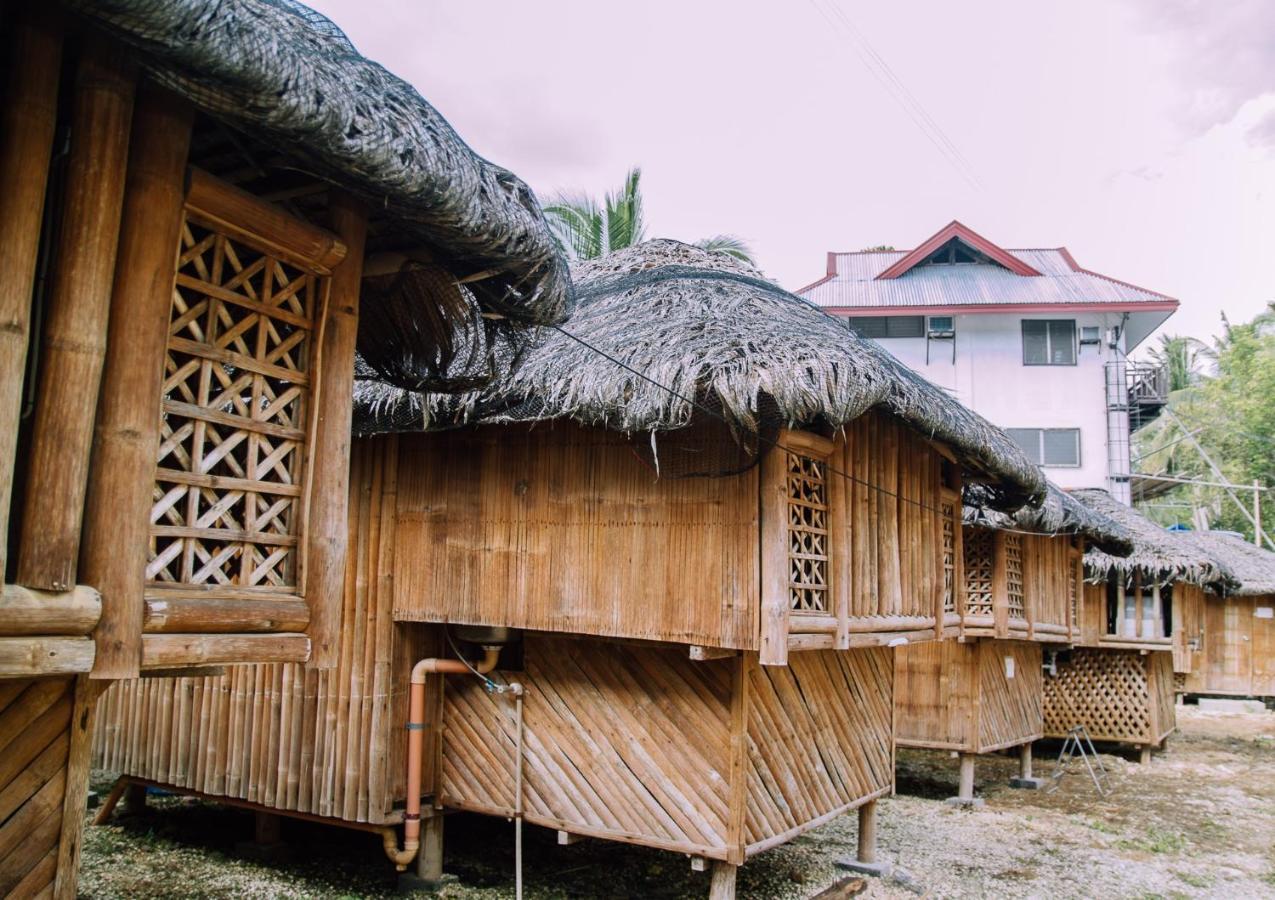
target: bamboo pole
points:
(27, 612)
(75, 797)
(74, 341)
(326, 532)
(27, 119)
(117, 509)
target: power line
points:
(907, 101)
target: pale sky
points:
(1138, 133)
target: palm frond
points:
(624, 223)
(576, 223)
(728, 244)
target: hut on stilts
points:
(191, 196)
(666, 560)
(1225, 645)
(1017, 590)
(1118, 678)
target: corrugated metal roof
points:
(974, 284)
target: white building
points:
(1027, 338)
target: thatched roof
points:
(665, 333)
(287, 76)
(1059, 514)
(1252, 567)
(1157, 554)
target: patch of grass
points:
(1102, 827)
(1194, 880)
(1156, 841)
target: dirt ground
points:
(1198, 822)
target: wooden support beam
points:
(868, 832)
(75, 798)
(224, 616)
(736, 824)
(701, 653)
(74, 341)
(327, 523)
(567, 838)
(27, 118)
(27, 657)
(722, 885)
(1000, 585)
(775, 595)
(429, 861)
(166, 651)
(241, 215)
(24, 611)
(126, 441)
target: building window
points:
(889, 326)
(1049, 446)
(941, 327)
(1049, 342)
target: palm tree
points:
(587, 229)
(1180, 356)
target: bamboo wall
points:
(1117, 694)
(1019, 585)
(1093, 618)
(325, 742)
(1237, 647)
(565, 528)
(639, 743)
(960, 696)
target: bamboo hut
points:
(1118, 679)
(1226, 644)
(1017, 590)
(687, 530)
(193, 195)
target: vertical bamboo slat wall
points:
(320, 742)
(1118, 695)
(1236, 635)
(961, 696)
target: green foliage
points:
(1230, 412)
(586, 229)
(1157, 840)
(879, 248)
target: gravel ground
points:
(1198, 822)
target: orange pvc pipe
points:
(415, 743)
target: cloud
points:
(1223, 52)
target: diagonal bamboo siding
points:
(1010, 708)
(819, 739)
(35, 719)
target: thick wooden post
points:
(429, 861)
(868, 832)
(326, 525)
(75, 798)
(722, 885)
(27, 118)
(126, 440)
(74, 341)
(1000, 585)
(740, 685)
(775, 596)
(965, 791)
(1025, 761)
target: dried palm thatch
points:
(1157, 554)
(1059, 514)
(287, 76)
(665, 333)
(1252, 567)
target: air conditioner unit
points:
(940, 326)
(1090, 336)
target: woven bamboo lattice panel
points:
(819, 737)
(1014, 576)
(1107, 691)
(948, 517)
(807, 533)
(229, 487)
(1010, 710)
(980, 564)
(621, 741)
(35, 719)
(319, 742)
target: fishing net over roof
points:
(1252, 567)
(1157, 554)
(665, 333)
(284, 74)
(1059, 514)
